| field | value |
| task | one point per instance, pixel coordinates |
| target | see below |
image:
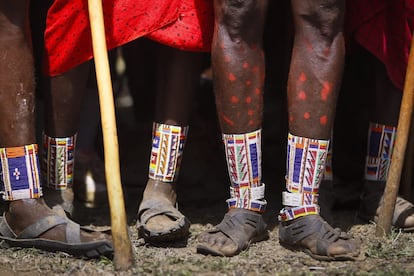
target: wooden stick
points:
(123, 253)
(394, 176)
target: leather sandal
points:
(403, 210)
(314, 236)
(242, 227)
(177, 228)
(29, 238)
(370, 205)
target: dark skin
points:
(17, 112)
(238, 64)
(177, 80)
(63, 101)
(386, 107)
(316, 67)
(314, 77)
(315, 70)
(238, 76)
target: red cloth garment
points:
(184, 24)
(384, 28)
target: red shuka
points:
(384, 28)
(184, 24)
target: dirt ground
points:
(393, 255)
(202, 193)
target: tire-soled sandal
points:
(403, 209)
(370, 208)
(151, 208)
(297, 234)
(242, 227)
(29, 238)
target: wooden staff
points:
(123, 253)
(394, 176)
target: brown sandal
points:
(403, 210)
(29, 238)
(369, 208)
(312, 231)
(157, 207)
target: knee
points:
(241, 19)
(13, 19)
(324, 18)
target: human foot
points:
(159, 221)
(314, 236)
(30, 223)
(403, 217)
(238, 229)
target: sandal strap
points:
(236, 219)
(250, 198)
(5, 229)
(298, 199)
(301, 228)
(292, 213)
(405, 209)
(72, 232)
(41, 226)
(155, 207)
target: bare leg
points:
(62, 101)
(313, 85)
(238, 79)
(384, 115)
(158, 220)
(17, 128)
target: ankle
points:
(160, 189)
(63, 198)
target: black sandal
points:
(241, 226)
(293, 233)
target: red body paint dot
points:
(245, 65)
(248, 82)
(226, 58)
(323, 120)
(326, 91)
(309, 45)
(302, 95)
(227, 120)
(234, 99)
(248, 100)
(251, 122)
(291, 118)
(306, 115)
(255, 69)
(257, 91)
(302, 77)
(250, 112)
(231, 77)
